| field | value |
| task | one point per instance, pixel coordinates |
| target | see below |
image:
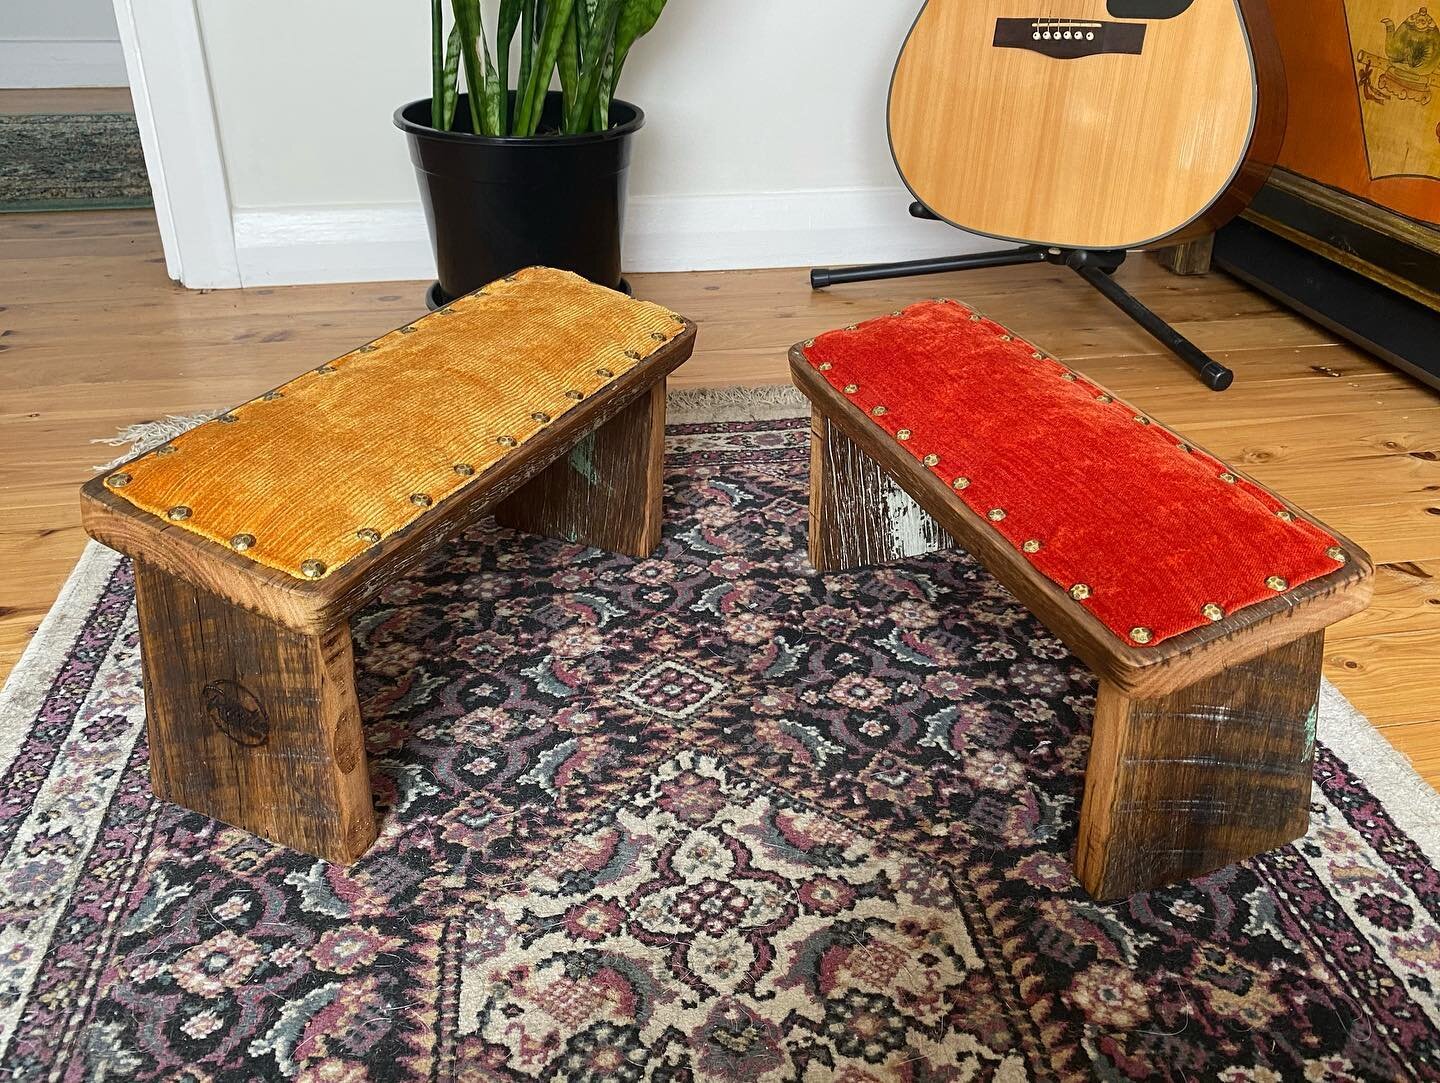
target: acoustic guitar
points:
(1097, 124)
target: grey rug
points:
(71, 161)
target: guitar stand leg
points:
(821, 277)
(1212, 374)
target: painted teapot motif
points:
(1414, 44)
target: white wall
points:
(58, 43)
(765, 143)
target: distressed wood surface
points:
(608, 490)
(1181, 785)
(1190, 258)
(1314, 417)
(252, 723)
(1137, 671)
(858, 515)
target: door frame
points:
(175, 111)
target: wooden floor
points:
(93, 336)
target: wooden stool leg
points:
(1190, 258)
(252, 723)
(608, 492)
(1212, 774)
(858, 515)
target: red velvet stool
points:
(1199, 597)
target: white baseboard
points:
(663, 233)
(37, 62)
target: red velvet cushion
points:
(1154, 529)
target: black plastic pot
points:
(497, 204)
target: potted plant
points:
(512, 177)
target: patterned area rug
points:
(706, 816)
(71, 161)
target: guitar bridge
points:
(1069, 39)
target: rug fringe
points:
(696, 405)
(144, 435)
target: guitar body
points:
(1098, 124)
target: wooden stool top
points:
(307, 485)
(310, 475)
(1134, 544)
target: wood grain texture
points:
(1331, 428)
(1105, 151)
(1190, 258)
(314, 608)
(1137, 671)
(608, 490)
(1181, 785)
(858, 515)
(251, 723)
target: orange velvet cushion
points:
(1153, 536)
(310, 475)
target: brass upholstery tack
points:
(241, 542)
(312, 569)
(903, 434)
(465, 470)
(421, 500)
(1212, 611)
(1141, 635)
(179, 513)
(960, 483)
(1080, 591)
(931, 460)
(1032, 545)
(995, 514)
(1277, 583)
(368, 534)
(1338, 554)
(118, 480)
(506, 441)
(1227, 477)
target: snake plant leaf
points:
(547, 51)
(449, 79)
(568, 63)
(467, 18)
(528, 22)
(493, 91)
(601, 118)
(602, 34)
(637, 18)
(504, 35)
(437, 64)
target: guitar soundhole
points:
(236, 713)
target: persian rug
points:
(704, 816)
(71, 161)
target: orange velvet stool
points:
(258, 534)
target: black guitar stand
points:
(1095, 267)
